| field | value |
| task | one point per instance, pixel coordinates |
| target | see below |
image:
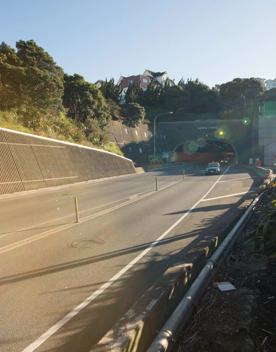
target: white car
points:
(213, 169)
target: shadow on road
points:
(83, 331)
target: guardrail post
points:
(76, 209)
(156, 184)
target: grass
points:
(59, 127)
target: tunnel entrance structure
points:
(195, 138)
(205, 150)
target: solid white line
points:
(70, 186)
(226, 196)
(52, 221)
(59, 228)
(237, 179)
(75, 311)
(217, 181)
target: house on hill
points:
(142, 81)
(160, 77)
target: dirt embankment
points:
(242, 320)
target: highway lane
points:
(45, 279)
(46, 209)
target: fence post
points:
(76, 209)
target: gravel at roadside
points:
(242, 320)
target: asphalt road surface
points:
(64, 284)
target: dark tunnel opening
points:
(205, 150)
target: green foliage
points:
(269, 95)
(241, 95)
(175, 98)
(113, 148)
(86, 105)
(201, 98)
(36, 96)
(110, 90)
(35, 93)
(133, 94)
(134, 113)
(187, 97)
(55, 127)
(31, 82)
(84, 100)
(152, 96)
(115, 109)
(266, 229)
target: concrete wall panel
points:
(31, 162)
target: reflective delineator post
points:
(76, 209)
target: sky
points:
(212, 40)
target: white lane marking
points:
(238, 179)
(226, 196)
(75, 311)
(39, 236)
(52, 221)
(217, 181)
(71, 186)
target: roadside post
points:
(183, 174)
(76, 209)
(156, 184)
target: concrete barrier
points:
(137, 328)
(30, 162)
(265, 174)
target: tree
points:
(269, 95)
(30, 79)
(11, 78)
(110, 90)
(201, 98)
(134, 113)
(241, 95)
(152, 96)
(85, 104)
(174, 98)
(84, 100)
(133, 93)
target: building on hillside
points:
(143, 81)
(140, 81)
(160, 77)
(270, 84)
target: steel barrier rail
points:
(179, 318)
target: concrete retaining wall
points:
(136, 142)
(31, 162)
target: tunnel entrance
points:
(204, 150)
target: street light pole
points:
(154, 130)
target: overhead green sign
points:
(268, 109)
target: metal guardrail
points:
(178, 320)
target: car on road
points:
(213, 169)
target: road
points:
(64, 284)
